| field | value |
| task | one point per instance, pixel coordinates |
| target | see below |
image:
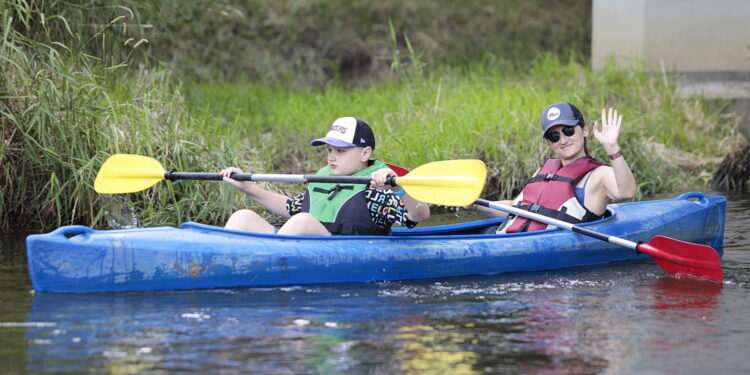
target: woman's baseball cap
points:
(562, 113)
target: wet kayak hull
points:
(198, 256)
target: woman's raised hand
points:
(608, 131)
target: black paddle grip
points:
(172, 176)
(591, 233)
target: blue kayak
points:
(196, 256)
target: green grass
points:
(480, 112)
(69, 100)
(311, 41)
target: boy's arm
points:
(274, 202)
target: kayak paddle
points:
(448, 182)
(677, 258)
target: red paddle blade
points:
(400, 171)
(684, 259)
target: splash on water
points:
(118, 212)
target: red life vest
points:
(552, 193)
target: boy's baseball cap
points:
(347, 132)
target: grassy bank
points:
(58, 133)
(311, 41)
(64, 110)
(484, 111)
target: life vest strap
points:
(555, 214)
(548, 177)
(335, 190)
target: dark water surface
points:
(618, 319)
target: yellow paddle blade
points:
(125, 173)
(448, 182)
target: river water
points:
(617, 319)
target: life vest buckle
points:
(333, 192)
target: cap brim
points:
(561, 122)
(331, 141)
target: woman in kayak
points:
(572, 187)
(335, 209)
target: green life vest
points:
(342, 208)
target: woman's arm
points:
(491, 212)
(619, 183)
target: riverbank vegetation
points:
(81, 81)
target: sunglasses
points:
(553, 137)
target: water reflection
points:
(690, 298)
(15, 300)
(619, 319)
(386, 328)
(685, 315)
(626, 318)
(429, 349)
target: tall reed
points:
(63, 112)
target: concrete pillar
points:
(705, 42)
(683, 35)
(617, 31)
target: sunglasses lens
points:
(553, 137)
(569, 131)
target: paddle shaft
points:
(558, 223)
(203, 176)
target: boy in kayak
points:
(335, 209)
(572, 187)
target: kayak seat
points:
(492, 229)
(489, 229)
(465, 228)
